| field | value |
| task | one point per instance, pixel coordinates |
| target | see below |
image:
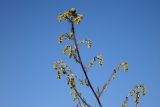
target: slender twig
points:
(82, 66)
(67, 75)
(106, 83)
(81, 98)
(79, 102)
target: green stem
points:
(81, 98)
(107, 83)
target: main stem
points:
(82, 66)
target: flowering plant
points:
(73, 52)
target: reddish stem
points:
(82, 66)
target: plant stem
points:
(107, 83)
(79, 102)
(67, 75)
(81, 98)
(82, 66)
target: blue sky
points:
(121, 30)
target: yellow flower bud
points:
(65, 49)
(60, 39)
(55, 66)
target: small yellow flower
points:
(60, 18)
(72, 15)
(72, 83)
(100, 59)
(66, 15)
(55, 66)
(125, 65)
(71, 34)
(65, 49)
(60, 39)
(70, 52)
(137, 98)
(89, 44)
(72, 11)
(63, 65)
(59, 74)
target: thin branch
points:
(79, 102)
(67, 75)
(81, 98)
(106, 84)
(122, 64)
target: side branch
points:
(81, 98)
(112, 76)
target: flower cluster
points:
(88, 42)
(62, 68)
(71, 15)
(73, 52)
(122, 64)
(136, 99)
(125, 65)
(99, 58)
(64, 37)
(71, 82)
(142, 87)
(70, 50)
(137, 90)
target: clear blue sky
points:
(121, 30)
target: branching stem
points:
(82, 66)
(78, 94)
